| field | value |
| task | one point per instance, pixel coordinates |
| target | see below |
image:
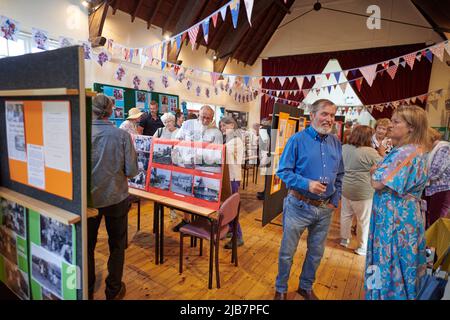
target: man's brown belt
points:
(316, 203)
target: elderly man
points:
(311, 166)
(200, 130)
(152, 122)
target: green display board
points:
(138, 98)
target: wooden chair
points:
(201, 228)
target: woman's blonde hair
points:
(433, 136)
(416, 118)
(384, 122)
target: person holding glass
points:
(396, 257)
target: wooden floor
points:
(340, 275)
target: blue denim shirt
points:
(308, 156)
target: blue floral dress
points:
(396, 249)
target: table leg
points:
(161, 234)
(211, 254)
(156, 230)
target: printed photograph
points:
(142, 143)
(13, 217)
(56, 237)
(118, 113)
(162, 153)
(47, 295)
(206, 188)
(143, 159)
(160, 178)
(183, 157)
(141, 96)
(16, 280)
(172, 104)
(163, 103)
(14, 112)
(209, 160)
(118, 94)
(181, 183)
(8, 246)
(139, 180)
(45, 271)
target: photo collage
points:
(53, 258)
(117, 96)
(168, 103)
(187, 171)
(142, 100)
(13, 248)
(142, 144)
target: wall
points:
(440, 79)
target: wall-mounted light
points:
(214, 57)
(166, 37)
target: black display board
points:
(273, 203)
(60, 68)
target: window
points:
(23, 45)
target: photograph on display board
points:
(117, 97)
(241, 118)
(209, 160)
(138, 181)
(12, 216)
(141, 100)
(56, 237)
(290, 130)
(15, 130)
(207, 188)
(46, 270)
(162, 153)
(118, 113)
(160, 178)
(302, 124)
(183, 157)
(276, 181)
(163, 103)
(47, 295)
(16, 280)
(283, 119)
(142, 143)
(173, 104)
(181, 183)
(8, 245)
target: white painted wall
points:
(440, 79)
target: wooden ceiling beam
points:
(192, 10)
(153, 14)
(136, 9)
(96, 22)
(115, 5)
(169, 19)
(282, 6)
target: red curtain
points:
(407, 83)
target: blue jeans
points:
(297, 216)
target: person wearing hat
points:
(131, 124)
(113, 161)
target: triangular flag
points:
(309, 77)
(337, 75)
(369, 73)
(246, 80)
(299, 81)
(163, 64)
(214, 77)
(354, 72)
(249, 9)
(396, 61)
(329, 89)
(214, 19)
(305, 92)
(429, 55)
(234, 8)
(343, 86)
(231, 79)
(328, 76)
(282, 80)
(223, 12)
(403, 63)
(193, 35)
(205, 26)
(438, 51)
(346, 73)
(392, 70)
(178, 42)
(410, 59)
(286, 94)
(419, 57)
(359, 83)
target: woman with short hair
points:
(169, 130)
(131, 125)
(396, 258)
(357, 192)
(380, 140)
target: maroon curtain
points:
(407, 83)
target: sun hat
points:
(134, 113)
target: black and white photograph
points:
(15, 130)
(181, 183)
(183, 157)
(16, 280)
(143, 160)
(47, 295)
(160, 178)
(162, 153)
(142, 143)
(46, 270)
(13, 217)
(209, 160)
(57, 238)
(139, 180)
(14, 112)
(206, 188)
(8, 246)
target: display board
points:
(127, 98)
(43, 139)
(187, 171)
(142, 145)
(240, 117)
(285, 121)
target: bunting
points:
(193, 35)
(392, 70)
(205, 26)
(249, 9)
(369, 73)
(410, 59)
(214, 19)
(234, 8)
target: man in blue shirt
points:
(311, 166)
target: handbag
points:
(432, 286)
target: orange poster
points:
(39, 145)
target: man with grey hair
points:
(113, 162)
(311, 166)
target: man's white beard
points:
(322, 130)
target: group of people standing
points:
(380, 178)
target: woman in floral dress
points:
(396, 249)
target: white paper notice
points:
(35, 165)
(15, 131)
(56, 127)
